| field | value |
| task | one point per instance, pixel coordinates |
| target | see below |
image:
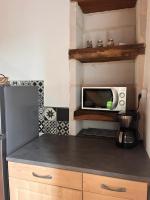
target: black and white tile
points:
(15, 83)
(62, 127)
(41, 113)
(40, 85)
(50, 127)
(50, 114)
(56, 121)
(41, 126)
(62, 114)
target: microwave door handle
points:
(115, 98)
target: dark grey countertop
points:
(98, 156)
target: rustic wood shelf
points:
(81, 114)
(91, 6)
(107, 54)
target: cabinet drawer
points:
(46, 175)
(114, 187)
(27, 190)
(92, 196)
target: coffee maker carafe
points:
(127, 136)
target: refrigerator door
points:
(2, 112)
(4, 184)
(4, 191)
(21, 116)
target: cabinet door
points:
(114, 187)
(92, 196)
(26, 190)
(59, 177)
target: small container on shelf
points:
(89, 44)
(110, 43)
(99, 44)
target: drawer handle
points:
(39, 176)
(106, 187)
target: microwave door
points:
(115, 98)
(98, 98)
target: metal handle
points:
(39, 176)
(115, 98)
(106, 187)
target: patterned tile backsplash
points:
(51, 120)
(56, 120)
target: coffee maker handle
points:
(121, 137)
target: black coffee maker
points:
(127, 136)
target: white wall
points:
(117, 24)
(105, 73)
(57, 66)
(34, 43)
(142, 67)
(147, 82)
(141, 21)
(76, 68)
(120, 25)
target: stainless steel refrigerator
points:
(18, 125)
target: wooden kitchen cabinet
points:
(93, 196)
(27, 190)
(113, 187)
(46, 175)
(29, 182)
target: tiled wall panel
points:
(51, 120)
(56, 120)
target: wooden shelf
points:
(95, 115)
(107, 54)
(91, 6)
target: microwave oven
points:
(104, 98)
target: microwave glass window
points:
(97, 98)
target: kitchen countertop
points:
(90, 155)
